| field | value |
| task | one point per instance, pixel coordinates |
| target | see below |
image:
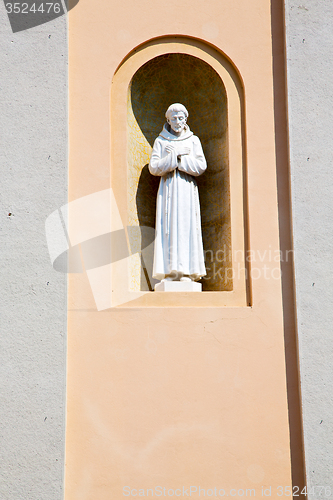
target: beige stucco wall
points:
(177, 396)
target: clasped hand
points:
(180, 150)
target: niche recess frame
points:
(240, 295)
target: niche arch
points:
(147, 81)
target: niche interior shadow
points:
(189, 80)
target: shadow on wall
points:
(186, 79)
(26, 15)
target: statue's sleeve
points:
(194, 163)
(161, 166)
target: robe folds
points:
(178, 242)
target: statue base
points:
(178, 286)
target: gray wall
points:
(33, 299)
(310, 100)
(33, 161)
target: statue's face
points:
(177, 122)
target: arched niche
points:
(152, 77)
(187, 79)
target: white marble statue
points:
(177, 157)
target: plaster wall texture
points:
(310, 99)
(33, 160)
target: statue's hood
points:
(170, 137)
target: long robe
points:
(178, 243)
